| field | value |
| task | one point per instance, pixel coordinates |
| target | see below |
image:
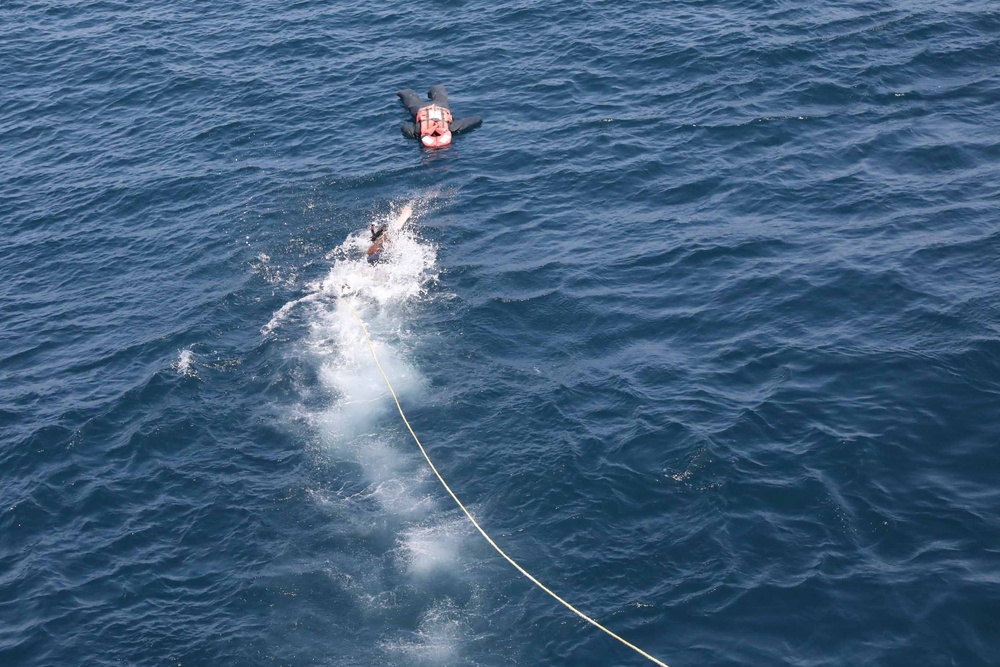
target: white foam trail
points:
(439, 637)
(396, 498)
(355, 425)
(428, 549)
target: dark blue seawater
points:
(703, 324)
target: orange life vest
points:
(433, 122)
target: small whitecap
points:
(183, 364)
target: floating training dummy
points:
(434, 125)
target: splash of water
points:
(183, 363)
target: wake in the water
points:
(383, 503)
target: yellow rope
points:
(469, 514)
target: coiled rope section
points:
(469, 514)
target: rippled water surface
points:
(703, 324)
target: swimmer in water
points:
(381, 233)
(379, 237)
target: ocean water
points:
(703, 324)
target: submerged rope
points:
(469, 514)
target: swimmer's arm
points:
(409, 130)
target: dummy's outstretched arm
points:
(411, 101)
(410, 130)
(465, 124)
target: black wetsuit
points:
(439, 96)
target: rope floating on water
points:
(469, 514)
